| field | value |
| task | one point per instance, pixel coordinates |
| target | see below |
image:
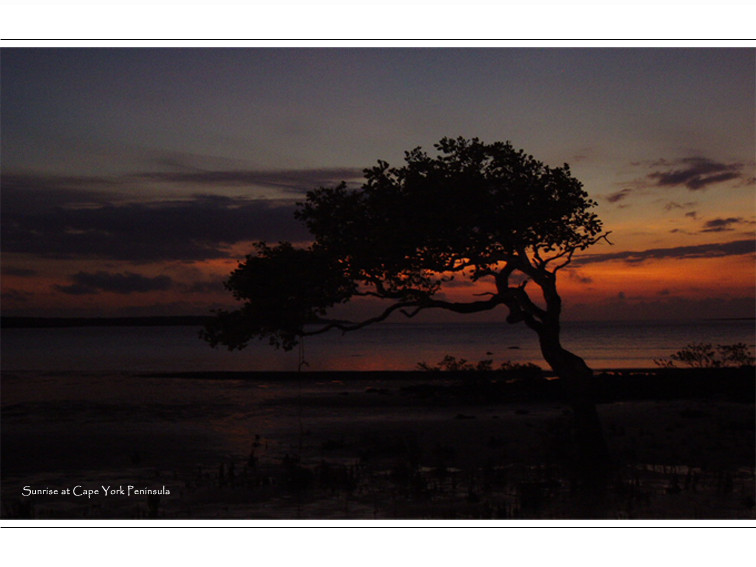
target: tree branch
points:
(354, 326)
(568, 252)
(416, 306)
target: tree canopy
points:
(471, 210)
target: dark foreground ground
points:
(384, 445)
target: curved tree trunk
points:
(577, 378)
(573, 372)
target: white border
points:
(434, 23)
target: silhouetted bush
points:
(453, 364)
(704, 355)
(509, 370)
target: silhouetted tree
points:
(480, 211)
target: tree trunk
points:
(577, 378)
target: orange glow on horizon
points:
(684, 277)
(196, 286)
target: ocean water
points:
(380, 347)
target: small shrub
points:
(704, 355)
(736, 355)
(511, 370)
(453, 364)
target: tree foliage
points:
(282, 288)
(471, 210)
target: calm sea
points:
(381, 347)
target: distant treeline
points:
(60, 322)
(57, 322)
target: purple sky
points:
(133, 179)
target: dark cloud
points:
(672, 205)
(202, 227)
(290, 180)
(573, 275)
(59, 190)
(695, 173)
(96, 217)
(209, 286)
(734, 248)
(619, 195)
(126, 283)
(82, 183)
(22, 272)
(41, 192)
(660, 308)
(722, 225)
(16, 296)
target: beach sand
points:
(363, 446)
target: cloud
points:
(734, 248)
(619, 195)
(672, 205)
(290, 180)
(97, 217)
(575, 276)
(207, 286)
(198, 228)
(58, 190)
(21, 192)
(661, 308)
(694, 173)
(16, 296)
(21, 272)
(126, 283)
(722, 225)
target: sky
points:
(135, 179)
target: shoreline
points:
(380, 445)
(736, 384)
